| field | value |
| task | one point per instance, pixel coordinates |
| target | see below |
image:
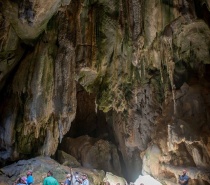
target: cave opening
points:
(89, 120)
(207, 72)
(202, 11)
(91, 123)
(200, 74)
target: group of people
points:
(25, 180)
(76, 179)
(71, 179)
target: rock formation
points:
(40, 166)
(93, 153)
(145, 62)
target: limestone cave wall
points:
(144, 62)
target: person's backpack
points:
(68, 182)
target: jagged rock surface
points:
(40, 103)
(40, 166)
(29, 18)
(67, 160)
(147, 62)
(93, 153)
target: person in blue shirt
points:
(68, 180)
(30, 179)
(183, 179)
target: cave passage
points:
(89, 120)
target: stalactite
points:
(167, 47)
(60, 127)
(96, 107)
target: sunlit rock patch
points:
(146, 180)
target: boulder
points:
(67, 160)
(113, 179)
(93, 153)
(40, 166)
(30, 18)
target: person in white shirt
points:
(85, 180)
(76, 179)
